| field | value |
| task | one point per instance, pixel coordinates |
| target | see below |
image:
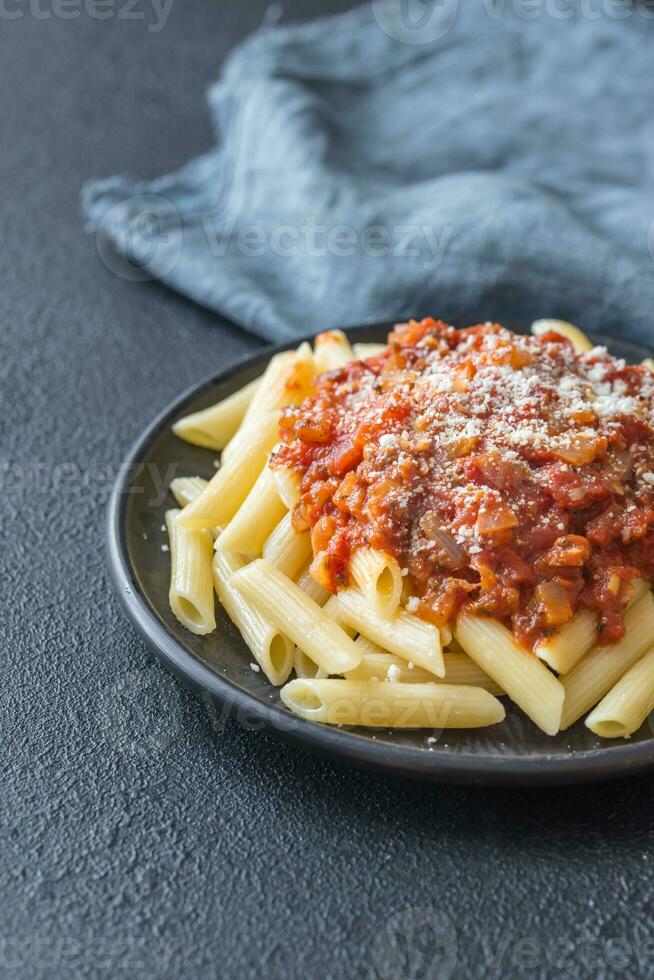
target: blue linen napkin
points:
(414, 157)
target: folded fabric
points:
(470, 161)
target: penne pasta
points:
(255, 519)
(191, 591)
(213, 427)
(639, 588)
(272, 649)
(186, 488)
(288, 485)
(288, 386)
(227, 490)
(287, 549)
(305, 666)
(376, 664)
(462, 669)
(270, 393)
(360, 450)
(403, 634)
(363, 351)
(297, 616)
(331, 351)
(602, 667)
(622, 711)
(348, 702)
(266, 401)
(370, 648)
(525, 679)
(378, 576)
(310, 587)
(286, 381)
(577, 337)
(566, 647)
(333, 610)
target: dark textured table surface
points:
(141, 835)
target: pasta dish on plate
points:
(415, 530)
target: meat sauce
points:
(509, 475)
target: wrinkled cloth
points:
(472, 161)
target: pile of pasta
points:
(359, 657)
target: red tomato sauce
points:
(509, 475)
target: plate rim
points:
(588, 765)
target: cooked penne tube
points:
(404, 634)
(191, 591)
(525, 679)
(297, 616)
(577, 337)
(270, 393)
(284, 386)
(186, 488)
(377, 665)
(305, 666)
(378, 576)
(370, 647)
(266, 400)
(331, 351)
(272, 649)
(346, 702)
(639, 588)
(286, 381)
(602, 667)
(565, 648)
(462, 669)
(288, 485)
(623, 710)
(227, 490)
(213, 427)
(310, 587)
(256, 518)
(333, 610)
(363, 351)
(648, 363)
(287, 549)
(382, 666)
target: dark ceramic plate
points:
(513, 752)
